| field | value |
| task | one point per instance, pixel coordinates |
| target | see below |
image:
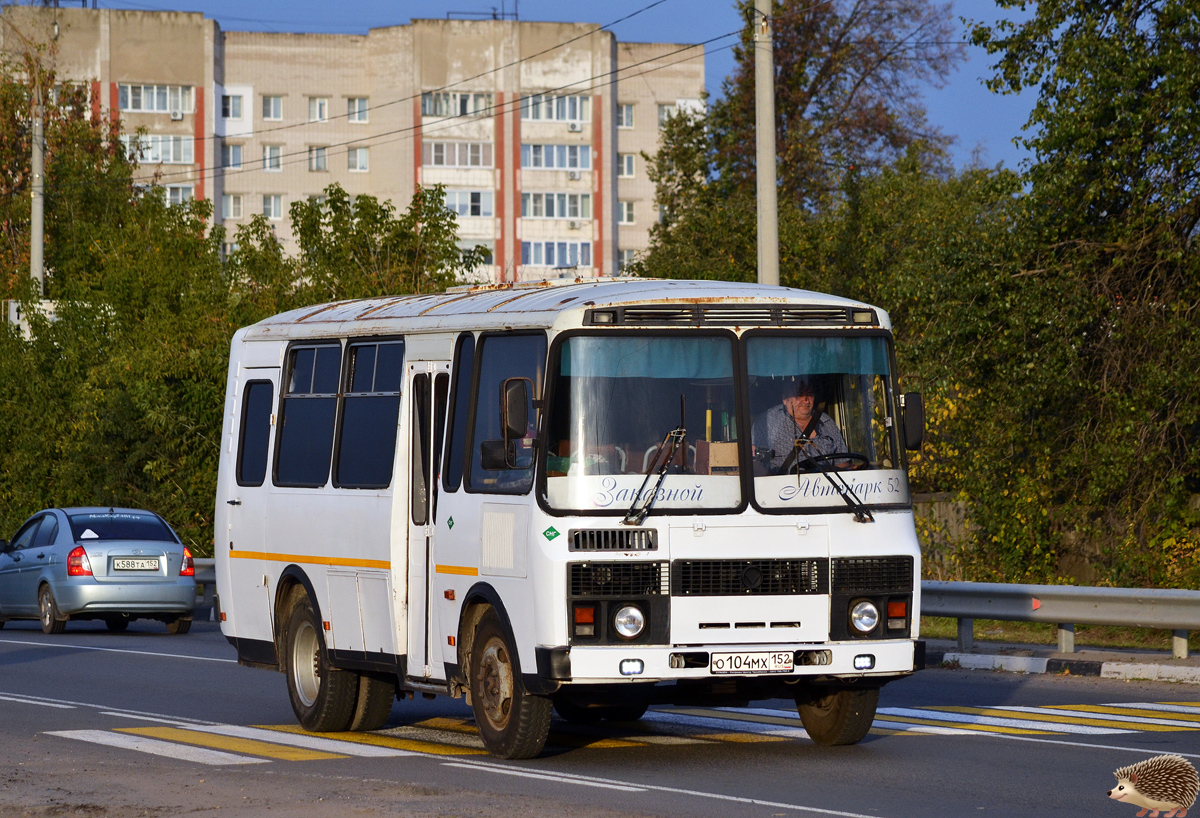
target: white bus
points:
(590, 496)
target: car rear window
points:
(118, 526)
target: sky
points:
(983, 123)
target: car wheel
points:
(512, 722)
(838, 716)
(49, 612)
(323, 697)
(179, 626)
(373, 705)
(117, 624)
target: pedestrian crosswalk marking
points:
(170, 749)
(951, 714)
(1112, 715)
(896, 716)
(1060, 719)
(281, 752)
(378, 740)
(1134, 710)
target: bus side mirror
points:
(3, 546)
(514, 411)
(913, 408)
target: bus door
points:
(427, 388)
(255, 402)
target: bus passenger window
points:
(366, 448)
(503, 357)
(460, 402)
(307, 416)
(420, 450)
(256, 432)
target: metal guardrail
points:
(1065, 606)
(206, 584)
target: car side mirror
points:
(913, 409)
(3, 546)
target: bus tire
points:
(835, 717)
(512, 722)
(373, 705)
(323, 697)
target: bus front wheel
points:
(512, 722)
(837, 716)
(322, 696)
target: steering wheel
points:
(808, 463)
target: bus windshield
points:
(616, 400)
(823, 433)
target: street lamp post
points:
(764, 127)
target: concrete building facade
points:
(536, 130)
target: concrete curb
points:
(1076, 667)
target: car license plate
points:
(135, 564)
(752, 662)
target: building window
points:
(231, 106)
(561, 157)
(273, 157)
(156, 98)
(469, 202)
(318, 109)
(179, 194)
(625, 258)
(156, 148)
(273, 206)
(556, 253)
(665, 112)
(556, 109)
(358, 160)
(317, 158)
(356, 109)
(272, 107)
(231, 206)
(624, 212)
(625, 115)
(489, 249)
(556, 205)
(457, 154)
(625, 166)
(447, 104)
(231, 157)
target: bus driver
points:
(777, 430)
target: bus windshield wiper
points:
(642, 501)
(862, 514)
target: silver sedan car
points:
(115, 564)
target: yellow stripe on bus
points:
(230, 743)
(464, 570)
(339, 561)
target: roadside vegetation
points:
(1048, 313)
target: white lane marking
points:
(114, 711)
(169, 749)
(115, 650)
(1166, 708)
(585, 780)
(23, 700)
(304, 740)
(728, 725)
(548, 777)
(994, 721)
(1088, 714)
(139, 717)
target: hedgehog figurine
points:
(1164, 783)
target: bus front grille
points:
(614, 539)
(618, 579)
(872, 574)
(750, 577)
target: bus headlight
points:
(629, 622)
(864, 616)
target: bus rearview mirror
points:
(514, 411)
(914, 420)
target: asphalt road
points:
(145, 724)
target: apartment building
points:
(536, 130)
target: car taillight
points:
(188, 568)
(77, 563)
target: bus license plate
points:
(126, 564)
(752, 662)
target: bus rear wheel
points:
(835, 717)
(373, 705)
(323, 697)
(512, 722)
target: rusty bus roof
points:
(526, 305)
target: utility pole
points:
(37, 207)
(764, 126)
